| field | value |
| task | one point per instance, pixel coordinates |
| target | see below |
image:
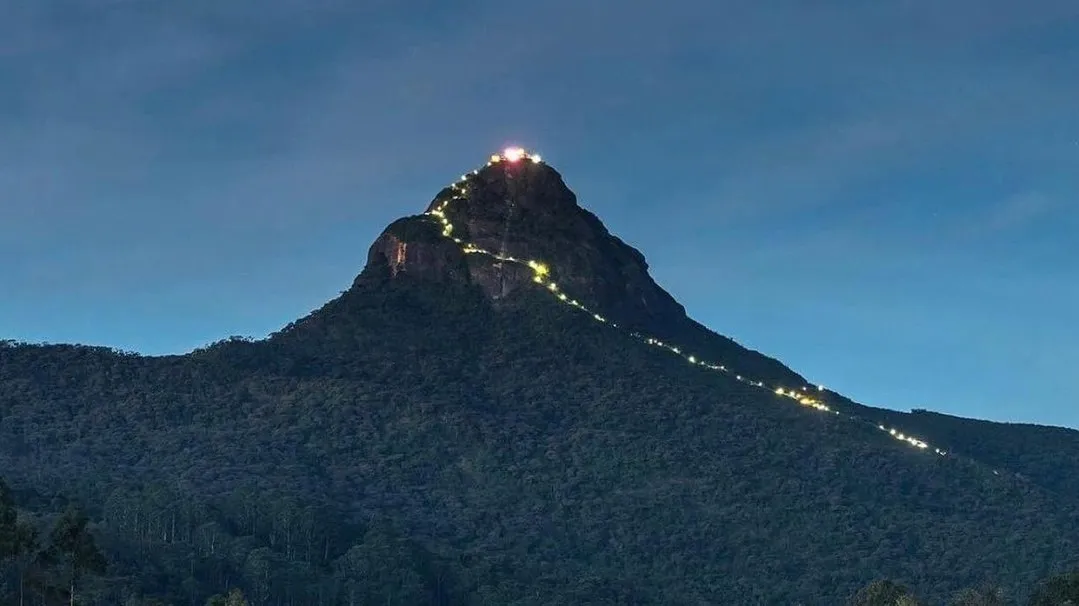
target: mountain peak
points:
(513, 223)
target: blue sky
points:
(881, 194)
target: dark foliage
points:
(52, 572)
(1062, 590)
(883, 593)
(414, 445)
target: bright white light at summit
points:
(514, 155)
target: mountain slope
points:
(523, 451)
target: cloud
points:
(1023, 210)
(786, 108)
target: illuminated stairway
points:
(807, 396)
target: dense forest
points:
(408, 444)
(65, 566)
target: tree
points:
(883, 593)
(380, 570)
(72, 552)
(235, 597)
(9, 519)
(986, 595)
(18, 539)
(1061, 590)
(25, 550)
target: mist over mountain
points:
(505, 408)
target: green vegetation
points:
(49, 571)
(412, 445)
(234, 598)
(884, 593)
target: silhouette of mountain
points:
(505, 408)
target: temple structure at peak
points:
(515, 154)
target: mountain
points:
(496, 228)
(505, 408)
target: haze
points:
(882, 195)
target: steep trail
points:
(541, 275)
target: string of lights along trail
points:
(541, 275)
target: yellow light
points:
(496, 158)
(536, 158)
(541, 273)
(539, 268)
(513, 154)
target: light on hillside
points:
(541, 275)
(539, 268)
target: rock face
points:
(485, 229)
(523, 210)
(416, 245)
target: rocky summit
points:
(517, 209)
(513, 223)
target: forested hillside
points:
(468, 425)
(520, 455)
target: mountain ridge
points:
(517, 449)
